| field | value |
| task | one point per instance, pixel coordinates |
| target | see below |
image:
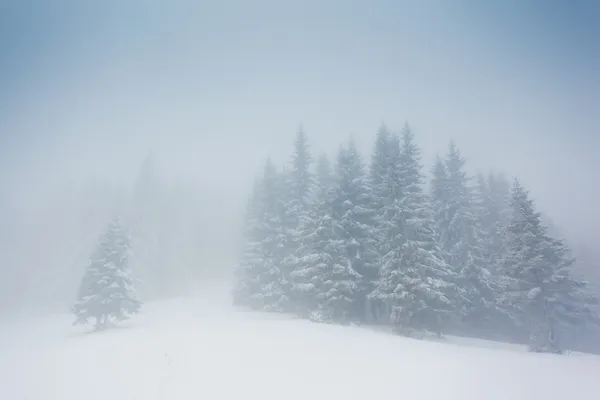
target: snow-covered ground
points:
(202, 349)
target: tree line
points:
(352, 242)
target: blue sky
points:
(223, 84)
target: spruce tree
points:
(572, 303)
(462, 242)
(324, 178)
(458, 231)
(260, 281)
(439, 195)
(321, 278)
(301, 179)
(297, 218)
(324, 283)
(490, 202)
(106, 291)
(353, 219)
(379, 168)
(311, 260)
(385, 185)
(415, 281)
(540, 287)
(492, 199)
(247, 271)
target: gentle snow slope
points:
(196, 349)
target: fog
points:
(90, 91)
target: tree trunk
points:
(101, 323)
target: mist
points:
(89, 92)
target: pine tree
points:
(492, 199)
(385, 185)
(572, 303)
(462, 242)
(297, 218)
(439, 195)
(260, 282)
(327, 286)
(312, 261)
(248, 269)
(302, 180)
(324, 281)
(106, 292)
(458, 233)
(353, 220)
(379, 169)
(324, 178)
(540, 286)
(415, 281)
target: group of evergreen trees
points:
(351, 243)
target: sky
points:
(89, 89)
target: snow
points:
(201, 348)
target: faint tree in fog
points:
(493, 198)
(260, 282)
(462, 241)
(149, 265)
(297, 209)
(492, 211)
(540, 285)
(106, 292)
(439, 194)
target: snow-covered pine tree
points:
(458, 225)
(301, 179)
(324, 178)
(247, 270)
(462, 242)
(481, 199)
(490, 201)
(572, 302)
(297, 216)
(439, 195)
(353, 220)
(320, 282)
(492, 197)
(385, 185)
(106, 292)
(379, 168)
(260, 282)
(415, 281)
(540, 287)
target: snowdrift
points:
(200, 349)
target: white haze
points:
(213, 90)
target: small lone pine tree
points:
(106, 292)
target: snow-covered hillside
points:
(202, 349)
